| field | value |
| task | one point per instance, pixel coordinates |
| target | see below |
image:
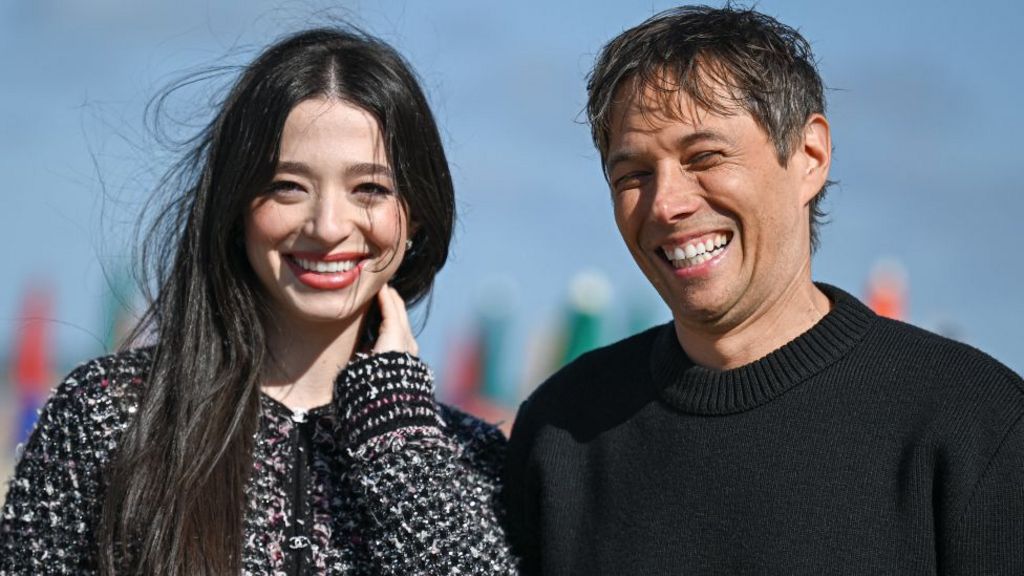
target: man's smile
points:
(695, 251)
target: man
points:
(775, 426)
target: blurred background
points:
(924, 104)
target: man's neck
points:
(790, 314)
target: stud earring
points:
(408, 244)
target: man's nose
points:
(676, 195)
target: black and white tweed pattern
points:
(385, 392)
(406, 486)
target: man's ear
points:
(816, 148)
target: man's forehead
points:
(653, 104)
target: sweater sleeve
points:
(48, 520)
(430, 486)
(520, 502)
(988, 539)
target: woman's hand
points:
(388, 390)
(395, 333)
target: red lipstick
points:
(326, 280)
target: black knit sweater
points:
(864, 446)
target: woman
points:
(281, 423)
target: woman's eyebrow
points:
(368, 169)
(352, 170)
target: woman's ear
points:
(412, 229)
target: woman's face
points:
(330, 231)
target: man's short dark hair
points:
(764, 67)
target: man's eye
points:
(702, 160)
(631, 180)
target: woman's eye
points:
(285, 188)
(373, 189)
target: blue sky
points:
(923, 103)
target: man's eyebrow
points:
(617, 157)
(625, 154)
(701, 136)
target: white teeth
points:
(325, 267)
(696, 253)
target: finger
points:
(387, 306)
(388, 334)
(402, 316)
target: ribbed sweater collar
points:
(699, 390)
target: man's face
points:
(717, 225)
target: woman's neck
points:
(305, 359)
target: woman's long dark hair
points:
(174, 502)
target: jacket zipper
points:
(298, 541)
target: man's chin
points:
(701, 306)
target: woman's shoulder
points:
(480, 443)
(104, 384)
(113, 373)
(54, 497)
(87, 411)
(468, 428)
(126, 364)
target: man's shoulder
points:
(605, 385)
(916, 356)
(627, 358)
(967, 407)
(962, 391)
(919, 352)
